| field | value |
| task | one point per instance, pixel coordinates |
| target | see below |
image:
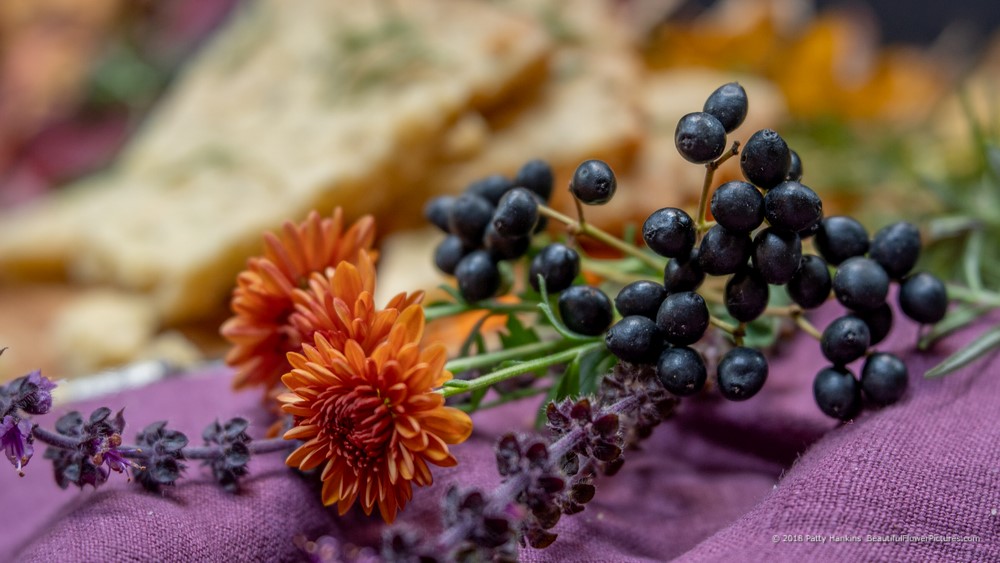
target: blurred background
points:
(145, 146)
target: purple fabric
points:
(719, 482)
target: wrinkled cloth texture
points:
(761, 480)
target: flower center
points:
(359, 426)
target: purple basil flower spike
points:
(15, 438)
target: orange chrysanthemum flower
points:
(340, 306)
(260, 330)
(371, 418)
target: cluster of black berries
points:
(492, 221)
(864, 270)
(660, 322)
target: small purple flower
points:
(15, 438)
(108, 453)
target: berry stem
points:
(710, 168)
(805, 325)
(456, 388)
(725, 327)
(578, 227)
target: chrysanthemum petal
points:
(448, 423)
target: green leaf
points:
(475, 338)
(970, 260)
(517, 334)
(593, 367)
(987, 342)
(993, 159)
(476, 397)
(957, 318)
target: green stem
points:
(435, 312)
(459, 365)
(576, 227)
(976, 297)
(807, 326)
(518, 369)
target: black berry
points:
(635, 339)
(468, 218)
(505, 248)
(700, 137)
(792, 206)
(896, 248)
(683, 274)
(923, 298)
(860, 284)
(845, 340)
(884, 378)
(537, 176)
(810, 286)
(794, 167)
(776, 255)
(641, 297)
(438, 210)
(558, 264)
(478, 276)
(681, 371)
(683, 318)
(837, 393)
(517, 213)
(449, 252)
(840, 238)
(585, 310)
(593, 183)
(490, 188)
(669, 232)
(879, 321)
(723, 251)
(738, 206)
(746, 294)
(729, 104)
(742, 373)
(765, 159)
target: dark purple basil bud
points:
(539, 539)
(582, 493)
(570, 463)
(164, 450)
(537, 455)
(581, 410)
(34, 393)
(508, 453)
(465, 517)
(556, 420)
(234, 451)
